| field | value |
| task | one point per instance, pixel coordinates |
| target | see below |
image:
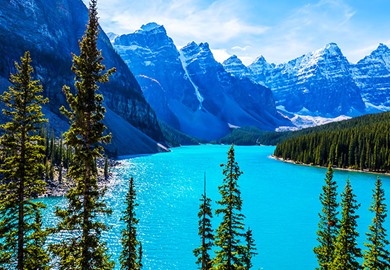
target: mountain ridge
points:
(292, 82)
(51, 31)
(173, 82)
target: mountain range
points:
(189, 89)
(323, 83)
(50, 30)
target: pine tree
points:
(346, 251)
(328, 224)
(106, 173)
(250, 249)
(377, 257)
(140, 254)
(131, 255)
(22, 153)
(81, 223)
(36, 257)
(231, 230)
(205, 232)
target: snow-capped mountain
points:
(323, 83)
(372, 75)
(319, 83)
(50, 30)
(190, 90)
(236, 67)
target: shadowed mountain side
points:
(50, 30)
(126, 139)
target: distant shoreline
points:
(333, 167)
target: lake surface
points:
(280, 202)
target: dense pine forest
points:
(361, 143)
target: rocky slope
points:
(318, 83)
(191, 91)
(323, 83)
(50, 30)
(372, 75)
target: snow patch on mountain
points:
(197, 93)
(306, 121)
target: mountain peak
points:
(204, 46)
(234, 66)
(382, 48)
(193, 48)
(332, 45)
(191, 45)
(152, 27)
(260, 60)
(381, 54)
(332, 48)
(233, 58)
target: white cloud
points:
(358, 54)
(220, 54)
(236, 27)
(308, 28)
(241, 49)
(217, 22)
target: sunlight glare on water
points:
(280, 202)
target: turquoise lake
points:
(280, 202)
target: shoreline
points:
(333, 167)
(55, 189)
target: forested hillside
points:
(360, 143)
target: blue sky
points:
(280, 30)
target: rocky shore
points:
(60, 184)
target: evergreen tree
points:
(328, 224)
(205, 232)
(36, 257)
(106, 173)
(250, 249)
(22, 153)
(140, 253)
(131, 254)
(346, 251)
(60, 161)
(231, 230)
(377, 256)
(81, 223)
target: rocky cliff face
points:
(372, 75)
(189, 90)
(323, 83)
(318, 83)
(50, 30)
(153, 57)
(234, 66)
(238, 101)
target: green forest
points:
(361, 143)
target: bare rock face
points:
(323, 83)
(50, 30)
(318, 83)
(372, 75)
